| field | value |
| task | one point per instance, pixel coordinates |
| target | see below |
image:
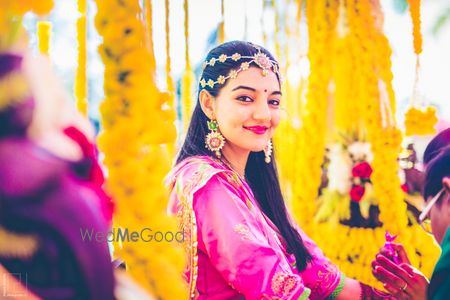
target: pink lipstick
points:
(257, 129)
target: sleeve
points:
(322, 276)
(235, 243)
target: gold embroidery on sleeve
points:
(244, 231)
(284, 284)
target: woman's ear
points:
(207, 104)
(446, 183)
(445, 207)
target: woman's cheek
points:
(275, 119)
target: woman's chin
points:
(257, 148)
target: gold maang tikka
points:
(260, 59)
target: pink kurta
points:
(234, 250)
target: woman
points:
(241, 240)
(45, 200)
(401, 279)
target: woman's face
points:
(247, 110)
(53, 111)
(440, 214)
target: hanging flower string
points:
(188, 77)
(342, 32)
(420, 118)
(311, 138)
(80, 85)
(414, 9)
(44, 31)
(221, 31)
(149, 33)
(137, 129)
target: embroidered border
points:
(305, 294)
(187, 218)
(338, 289)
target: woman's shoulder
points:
(26, 168)
(194, 169)
(197, 172)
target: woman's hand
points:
(401, 280)
(399, 251)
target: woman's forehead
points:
(254, 78)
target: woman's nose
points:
(262, 110)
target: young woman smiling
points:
(242, 242)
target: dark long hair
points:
(441, 140)
(437, 168)
(436, 161)
(15, 116)
(261, 176)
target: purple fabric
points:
(8, 63)
(40, 195)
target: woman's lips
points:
(257, 129)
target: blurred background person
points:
(403, 280)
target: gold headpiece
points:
(259, 58)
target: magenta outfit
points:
(235, 251)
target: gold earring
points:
(214, 140)
(268, 152)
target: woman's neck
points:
(237, 159)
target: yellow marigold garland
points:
(188, 77)
(169, 80)
(414, 9)
(419, 119)
(137, 121)
(44, 32)
(287, 132)
(222, 22)
(19, 8)
(11, 13)
(362, 76)
(149, 33)
(384, 137)
(80, 84)
(311, 141)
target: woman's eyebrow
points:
(244, 87)
(276, 93)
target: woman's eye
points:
(274, 102)
(244, 99)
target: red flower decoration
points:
(405, 188)
(363, 170)
(357, 192)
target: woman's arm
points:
(352, 288)
(232, 238)
(321, 267)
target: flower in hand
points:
(402, 280)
